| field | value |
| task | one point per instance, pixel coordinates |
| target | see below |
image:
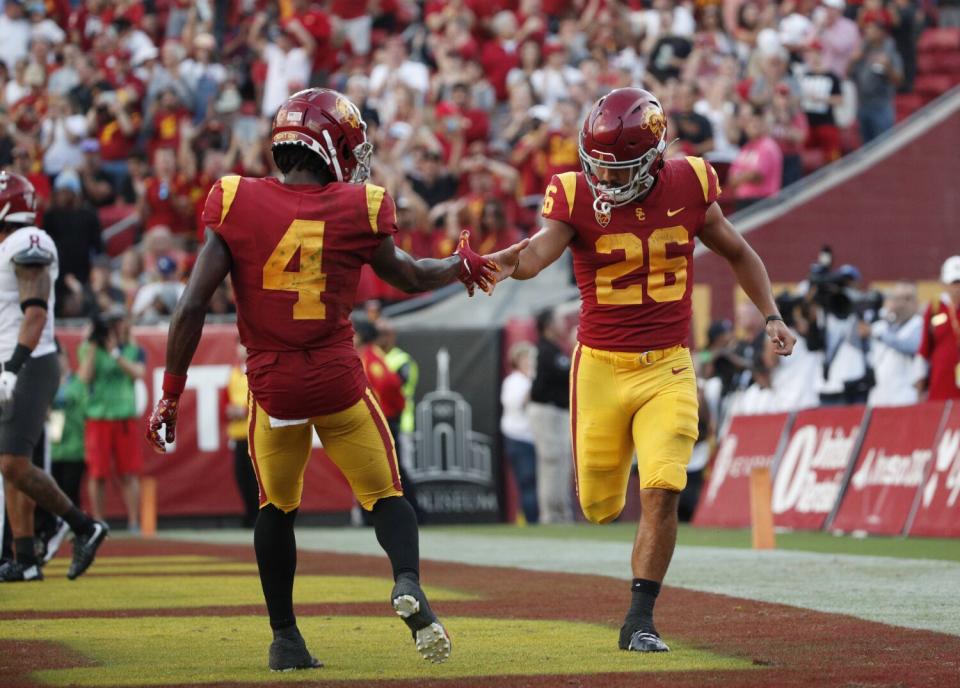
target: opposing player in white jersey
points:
(29, 376)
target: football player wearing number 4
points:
(630, 220)
(294, 249)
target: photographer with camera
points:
(110, 365)
(894, 340)
(838, 313)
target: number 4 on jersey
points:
(309, 281)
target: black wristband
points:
(20, 356)
(774, 318)
(39, 303)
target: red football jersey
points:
(635, 267)
(297, 253)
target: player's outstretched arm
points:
(209, 271)
(398, 268)
(524, 261)
(720, 237)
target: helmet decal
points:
(349, 112)
(654, 120)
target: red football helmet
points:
(327, 123)
(18, 199)
(624, 130)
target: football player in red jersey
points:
(294, 249)
(630, 219)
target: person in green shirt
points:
(67, 421)
(110, 365)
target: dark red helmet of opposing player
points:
(624, 130)
(327, 123)
(18, 199)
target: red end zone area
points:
(491, 613)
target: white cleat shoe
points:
(433, 642)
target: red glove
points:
(475, 270)
(166, 412)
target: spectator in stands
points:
(97, 185)
(15, 29)
(7, 141)
(549, 414)
(235, 409)
(554, 80)
(110, 364)
(876, 71)
(156, 300)
(500, 55)
(116, 126)
(757, 171)
(165, 198)
(894, 340)
(693, 129)
(129, 278)
(286, 53)
(839, 36)
(395, 68)
(75, 228)
(907, 22)
(948, 12)
(66, 427)
(515, 426)
(821, 93)
(940, 341)
(430, 179)
(789, 129)
(60, 134)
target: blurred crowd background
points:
(123, 114)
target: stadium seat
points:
(944, 39)
(907, 104)
(933, 85)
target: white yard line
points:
(914, 593)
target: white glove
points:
(8, 381)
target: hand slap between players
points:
(475, 270)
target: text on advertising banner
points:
(751, 442)
(891, 466)
(938, 510)
(809, 474)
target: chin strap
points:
(601, 205)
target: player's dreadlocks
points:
(289, 158)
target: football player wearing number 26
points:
(630, 219)
(294, 249)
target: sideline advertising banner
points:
(751, 442)
(938, 510)
(893, 460)
(195, 478)
(809, 474)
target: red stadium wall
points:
(897, 218)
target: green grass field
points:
(910, 548)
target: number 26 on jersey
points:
(634, 248)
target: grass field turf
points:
(510, 628)
(945, 549)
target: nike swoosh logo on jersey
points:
(677, 371)
(671, 213)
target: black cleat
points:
(641, 640)
(51, 542)
(410, 604)
(15, 572)
(85, 548)
(288, 652)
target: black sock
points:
(78, 521)
(395, 523)
(644, 593)
(276, 547)
(25, 550)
